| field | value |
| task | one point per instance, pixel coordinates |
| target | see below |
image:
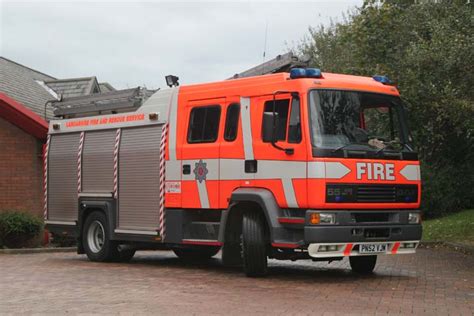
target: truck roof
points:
(161, 101)
(255, 85)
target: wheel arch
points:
(258, 199)
(86, 207)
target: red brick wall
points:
(21, 170)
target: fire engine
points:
(298, 165)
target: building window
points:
(232, 122)
(204, 124)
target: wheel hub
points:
(96, 236)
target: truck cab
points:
(299, 165)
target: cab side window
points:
(291, 124)
(232, 122)
(281, 109)
(204, 124)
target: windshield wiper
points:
(382, 150)
(347, 145)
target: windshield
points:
(357, 121)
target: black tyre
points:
(95, 238)
(363, 264)
(232, 255)
(196, 254)
(254, 245)
(125, 255)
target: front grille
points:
(377, 232)
(376, 193)
(371, 193)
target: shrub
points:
(59, 240)
(18, 229)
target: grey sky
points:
(138, 43)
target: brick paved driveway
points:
(431, 282)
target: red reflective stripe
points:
(284, 245)
(348, 249)
(395, 247)
(202, 242)
(290, 220)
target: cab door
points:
(283, 173)
(200, 153)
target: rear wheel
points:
(96, 241)
(363, 264)
(254, 245)
(202, 253)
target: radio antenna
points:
(265, 46)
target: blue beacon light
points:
(382, 79)
(296, 73)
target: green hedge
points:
(19, 229)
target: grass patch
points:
(458, 227)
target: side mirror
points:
(270, 120)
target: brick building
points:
(25, 107)
(22, 135)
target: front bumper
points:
(351, 229)
(331, 250)
(344, 239)
(361, 233)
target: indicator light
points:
(314, 218)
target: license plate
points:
(372, 248)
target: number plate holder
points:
(373, 248)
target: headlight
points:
(327, 218)
(316, 218)
(414, 218)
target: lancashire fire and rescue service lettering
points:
(106, 120)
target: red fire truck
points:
(299, 165)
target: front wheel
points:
(254, 245)
(96, 241)
(363, 264)
(196, 254)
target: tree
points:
(427, 48)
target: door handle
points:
(250, 166)
(186, 169)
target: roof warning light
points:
(382, 79)
(296, 73)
